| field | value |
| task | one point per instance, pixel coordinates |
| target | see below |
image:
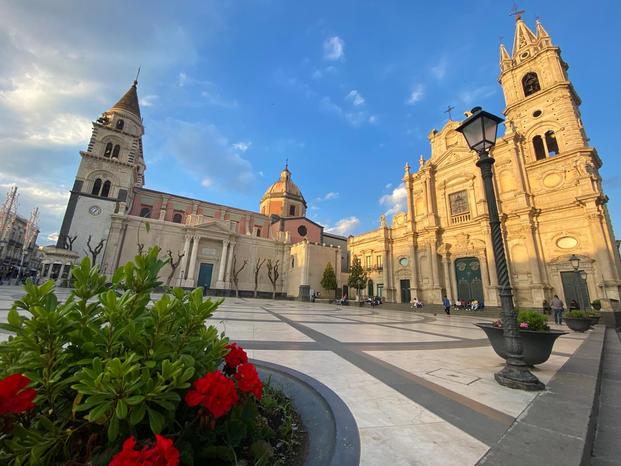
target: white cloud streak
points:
(416, 95)
(334, 48)
(344, 226)
(395, 201)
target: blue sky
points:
(346, 90)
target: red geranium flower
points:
(248, 380)
(163, 453)
(14, 396)
(213, 391)
(235, 356)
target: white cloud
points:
(469, 96)
(148, 100)
(354, 118)
(213, 98)
(355, 98)
(344, 226)
(388, 186)
(334, 48)
(373, 119)
(52, 237)
(439, 69)
(395, 201)
(328, 196)
(202, 148)
(418, 92)
(242, 146)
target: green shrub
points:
(108, 364)
(533, 319)
(596, 304)
(576, 315)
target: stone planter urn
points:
(594, 320)
(578, 324)
(536, 346)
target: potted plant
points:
(110, 377)
(536, 336)
(578, 321)
(596, 304)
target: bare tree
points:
(257, 269)
(94, 252)
(174, 264)
(235, 273)
(69, 242)
(273, 274)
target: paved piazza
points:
(420, 386)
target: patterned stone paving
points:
(420, 387)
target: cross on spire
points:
(516, 12)
(448, 110)
(137, 74)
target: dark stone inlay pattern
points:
(478, 420)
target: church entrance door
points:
(468, 275)
(575, 287)
(370, 288)
(405, 291)
(204, 275)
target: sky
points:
(347, 91)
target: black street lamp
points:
(480, 131)
(575, 263)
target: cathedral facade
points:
(549, 194)
(111, 216)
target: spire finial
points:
(516, 12)
(137, 74)
(287, 164)
(448, 110)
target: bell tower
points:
(541, 103)
(110, 168)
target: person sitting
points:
(547, 309)
(573, 305)
(343, 300)
(474, 305)
(457, 304)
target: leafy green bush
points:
(109, 365)
(596, 304)
(532, 320)
(576, 315)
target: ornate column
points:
(184, 260)
(414, 267)
(229, 264)
(435, 273)
(221, 267)
(192, 269)
(446, 262)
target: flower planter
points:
(594, 320)
(578, 324)
(536, 346)
(333, 438)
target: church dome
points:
(283, 198)
(284, 185)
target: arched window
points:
(115, 152)
(96, 187)
(292, 210)
(177, 218)
(530, 84)
(540, 151)
(108, 150)
(551, 143)
(105, 190)
(145, 211)
(120, 124)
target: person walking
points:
(447, 305)
(557, 307)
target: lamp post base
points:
(518, 378)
